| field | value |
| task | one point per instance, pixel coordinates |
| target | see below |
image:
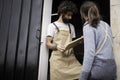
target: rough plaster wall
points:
(115, 23)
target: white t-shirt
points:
(52, 29)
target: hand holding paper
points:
(74, 43)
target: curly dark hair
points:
(67, 6)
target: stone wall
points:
(115, 24)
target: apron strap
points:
(109, 37)
(104, 41)
(69, 28)
(56, 27)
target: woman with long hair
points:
(98, 63)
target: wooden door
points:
(20, 23)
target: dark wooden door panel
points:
(1, 8)
(22, 43)
(33, 41)
(20, 22)
(12, 40)
(4, 29)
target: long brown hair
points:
(90, 11)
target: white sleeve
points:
(72, 31)
(51, 30)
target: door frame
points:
(44, 52)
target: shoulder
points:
(71, 26)
(104, 24)
(51, 30)
(51, 25)
(87, 27)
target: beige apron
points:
(64, 66)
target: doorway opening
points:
(78, 24)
